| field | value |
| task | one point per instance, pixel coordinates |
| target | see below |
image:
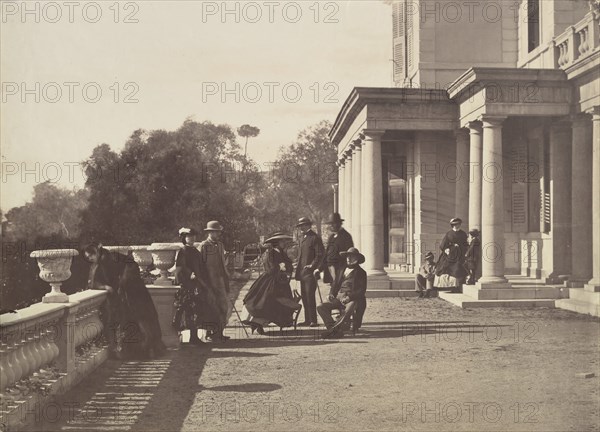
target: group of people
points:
(130, 319)
(270, 298)
(459, 262)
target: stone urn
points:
(55, 268)
(163, 255)
(142, 256)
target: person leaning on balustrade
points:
(129, 316)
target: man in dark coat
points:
(351, 287)
(339, 240)
(310, 258)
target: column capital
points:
(357, 144)
(490, 121)
(474, 127)
(348, 154)
(595, 113)
(373, 134)
(580, 119)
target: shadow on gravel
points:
(244, 388)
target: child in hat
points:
(473, 256)
(424, 279)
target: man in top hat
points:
(424, 279)
(310, 257)
(351, 287)
(473, 257)
(214, 275)
(339, 240)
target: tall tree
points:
(247, 131)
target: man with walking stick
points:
(311, 252)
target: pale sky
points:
(173, 63)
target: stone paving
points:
(419, 365)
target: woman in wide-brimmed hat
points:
(270, 299)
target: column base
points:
(55, 298)
(575, 283)
(378, 279)
(493, 283)
(592, 287)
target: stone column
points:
(347, 215)
(341, 184)
(356, 192)
(462, 176)
(492, 208)
(581, 201)
(335, 198)
(560, 188)
(594, 283)
(475, 155)
(372, 240)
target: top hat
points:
(278, 236)
(429, 255)
(335, 218)
(474, 232)
(455, 221)
(354, 251)
(213, 226)
(187, 231)
(303, 221)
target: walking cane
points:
(319, 290)
(239, 317)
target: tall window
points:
(533, 24)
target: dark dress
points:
(270, 299)
(453, 263)
(129, 316)
(473, 260)
(194, 305)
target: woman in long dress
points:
(270, 299)
(189, 314)
(129, 316)
(450, 269)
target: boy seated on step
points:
(424, 279)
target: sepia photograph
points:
(300, 216)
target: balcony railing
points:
(578, 41)
(48, 347)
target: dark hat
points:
(429, 255)
(303, 221)
(278, 236)
(474, 232)
(354, 251)
(334, 218)
(213, 226)
(455, 221)
(187, 231)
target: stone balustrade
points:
(578, 41)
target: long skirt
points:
(269, 299)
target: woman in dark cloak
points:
(270, 299)
(190, 298)
(452, 258)
(129, 317)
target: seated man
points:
(425, 277)
(345, 294)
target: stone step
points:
(579, 307)
(581, 295)
(465, 301)
(381, 293)
(516, 293)
(403, 284)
